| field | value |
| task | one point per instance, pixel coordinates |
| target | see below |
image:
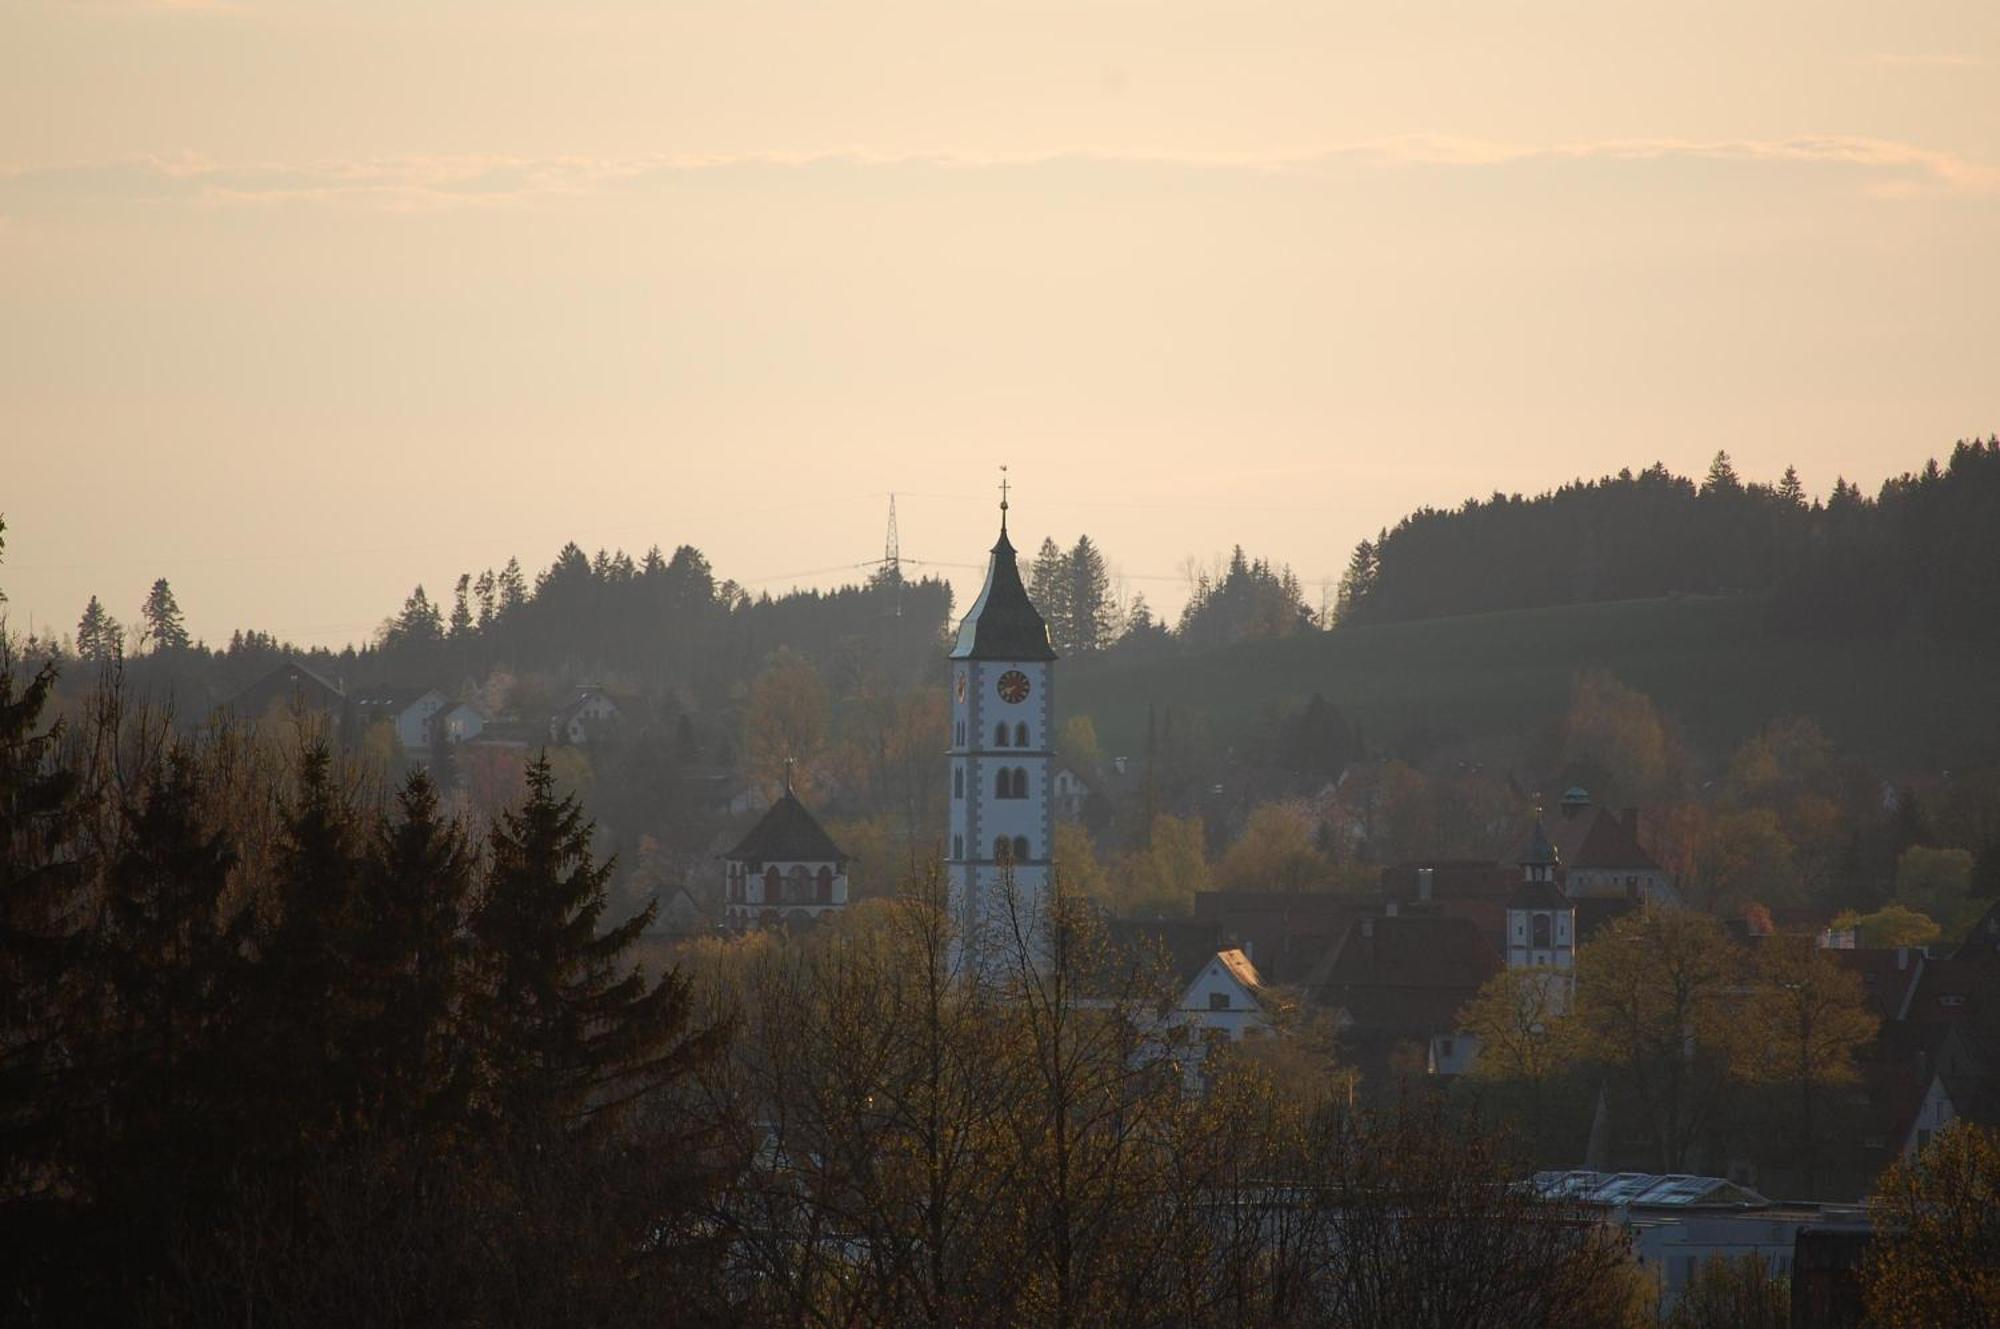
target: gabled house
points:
(1601, 855)
(1229, 996)
(587, 717)
(1399, 982)
(458, 722)
(289, 684)
(407, 710)
(1068, 792)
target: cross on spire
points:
(788, 775)
(1003, 500)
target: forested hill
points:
(1922, 555)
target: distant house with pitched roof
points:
(588, 716)
(1398, 982)
(1601, 856)
(407, 710)
(291, 683)
(1228, 996)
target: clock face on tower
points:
(1013, 687)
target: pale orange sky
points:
(303, 303)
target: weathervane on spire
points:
(1003, 500)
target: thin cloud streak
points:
(493, 180)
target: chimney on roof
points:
(1424, 878)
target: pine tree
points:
(44, 875)
(461, 608)
(485, 588)
(1790, 489)
(99, 639)
(165, 1100)
(1722, 477)
(513, 587)
(569, 1031)
(420, 878)
(420, 623)
(1092, 618)
(1048, 587)
(164, 629)
(1356, 582)
(312, 993)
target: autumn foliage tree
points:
(1655, 1006)
(1935, 1257)
(1806, 1019)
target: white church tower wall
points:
(1002, 825)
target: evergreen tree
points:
(486, 588)
(44, 876)
(1722, 477)
(420, 623)
(1049, 588)
(166, 1078)
(312, 992)
(420, 878)
(513, 587)
(461, 608)
(570, 1032)
(1356, 582)
(99, 639)
(1790, 490)
(1092, 619)
(164, 629)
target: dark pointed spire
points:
(1003, 623)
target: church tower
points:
(1002, 741)
(1541, 920)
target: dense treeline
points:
(270, 1052)
(275, 1049)
(1920, 555)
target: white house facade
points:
(1227, 996)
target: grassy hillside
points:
(1710, 663)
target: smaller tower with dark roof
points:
(1541, 921)
(786, 871)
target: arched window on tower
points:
(1020, 782)
(798, 885)
(1541, 930)
(958, 846)
(1002, 785)
(958, 784)
(773, 883)
(1020, 849)
(823, 886)
(1003, 850)
(1021, 734)
(1000, 734)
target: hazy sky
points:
(303, 303)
